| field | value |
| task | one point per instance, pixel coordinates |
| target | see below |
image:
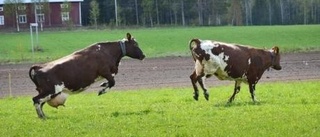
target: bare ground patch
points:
(163, 72)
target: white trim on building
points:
(31, 1)
(1, 20)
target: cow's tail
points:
(192, 44)
(32, 74)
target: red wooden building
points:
(53, 13)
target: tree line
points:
(151, 13)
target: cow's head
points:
(275, 58)
(132, 48)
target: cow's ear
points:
(275, 49)
(129, 36)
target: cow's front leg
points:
(237, 87)
(109, 84)
(193, 78)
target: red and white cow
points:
(74, 73)
(230, 62)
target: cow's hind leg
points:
(201, 79)
(193, 78)
(252, 88)
(39, 101)
(237, 87)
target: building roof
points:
(31, 1)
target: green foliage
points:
(284, 109)
(159, 42)
(94, 13)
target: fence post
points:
(10, 91)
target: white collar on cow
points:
(123, 47)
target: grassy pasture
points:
(157, 42)
(284, 109)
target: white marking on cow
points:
(238, 84)
(113, 74)
(226, 44)
(207, 44)
(198, 67)
(249, 61)
(45, 99)
(99, 47)
(244, 78)
(59, 88)
(216, 65)
(226, 57)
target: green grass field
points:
(284, 109)
(157, 42)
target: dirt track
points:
(164, 72)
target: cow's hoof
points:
(41, 115)
(102, 91)
(195, 98)
(39, 111)
(206, 97)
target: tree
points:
(260, 13)
(200, 12)
(137, 12)
(235, 13)
(269, 11)
(148, 6)
(175, 7)
(206, 12)
(248, 4)
(94, 13)
(47, 10)
(182, 13)
(11, 9)
(219, 10)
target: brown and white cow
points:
(230, 62)
(75, 72)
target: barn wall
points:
(52, 19)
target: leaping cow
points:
(230, 62)
(75, 72)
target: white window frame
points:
(65, 16)
(1, 8)
(41, 17)
(64, 6)
(1, 20)
(23, 19)
(22, 7)
(39, 7)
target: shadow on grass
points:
(239, 104)
(142, 112)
